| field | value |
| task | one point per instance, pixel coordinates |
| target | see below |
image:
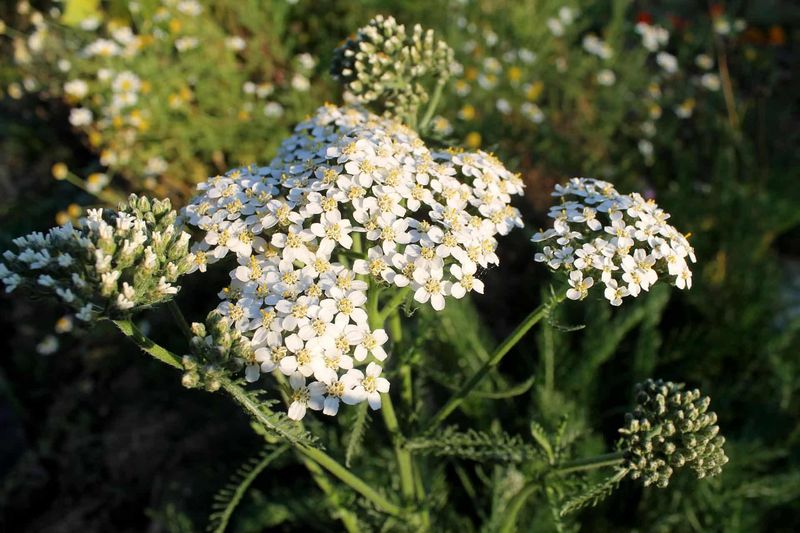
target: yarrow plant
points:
(110, 264)
(347, 184)
(624, 241)
(359, 221)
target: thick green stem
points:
(458, 398)
(348, 518)
(325, 461)
(590, 463)
(433, 104)
(404, 461)
(389, 308)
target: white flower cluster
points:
(346, 179)
(624, 240)
(111, 263)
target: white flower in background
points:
(80, 116)
(710, 81)
(300, 83)
(183, 44)
(625, 242)
(273, 109)
(595, 46)
(235, 43)
(76, 88)
(668, 62)
(503, 106)
(532, 112)
(349, 193)
(555, 26)
(704, 61)
(606, 77)
(653, 37)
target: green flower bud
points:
(670, 428)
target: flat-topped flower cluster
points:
(353, 203)
(109, 264)
(623, 240)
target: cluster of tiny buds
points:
(385, 65)
(108, 264)
(216, 348)
(622, 240)
(668, 429)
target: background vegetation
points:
(98, 438)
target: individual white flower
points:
(429, 286)
(304, 396)
(579, 285)
(466, 280)
(369, 385)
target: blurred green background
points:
(692, 103)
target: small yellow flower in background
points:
(62, 217)
(514, 73)
(146, 86)
(95, 138)
(117, 121)
(96, 181)
(534, 91)
(74, 210)
(64, 324)
(654, 110)
(59, 171)
(473, 139)
(471, 73)
(175, 26)
(243, 114)
(467, 112)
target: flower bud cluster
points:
(108, 264)
(385, 65)
(352, 203)
(624, 240)
(216, 347)
(671, 428)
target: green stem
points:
(515, 506)
(389, 307)
(348, 518)
(238, 394)
(165, 356)
(177, 314)
(351, 480)
(437, 94)
(404, 461)
(458, 398)
(590, 463)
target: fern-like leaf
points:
(227, 498)
(277, 424)
(357, 431)
(593, 494)
(476, 446)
